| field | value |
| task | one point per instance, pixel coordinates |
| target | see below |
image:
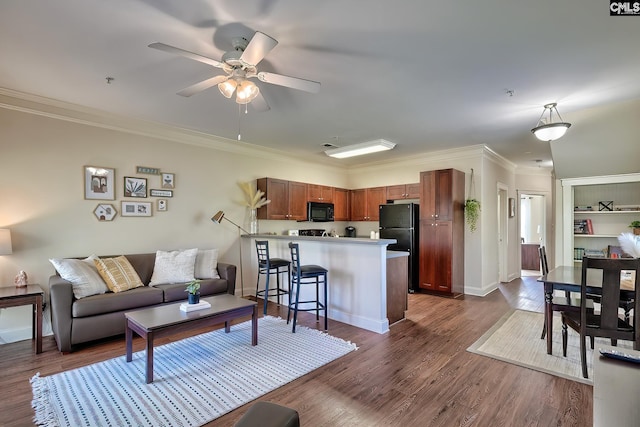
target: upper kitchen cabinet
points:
(288, 199)
(365, 203)
(320, 193)
(340, 204)
(441, 191)
(403, 191)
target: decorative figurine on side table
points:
(21, 280)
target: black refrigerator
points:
(400, 222)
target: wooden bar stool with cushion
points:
(306, 274)
(268, 266)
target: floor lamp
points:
(217, 218)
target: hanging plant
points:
(472, 207)
(472, 213)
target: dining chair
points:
(558, 303)
(607, 323)
(268, 266)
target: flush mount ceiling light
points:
(360, 149)
(547, 129)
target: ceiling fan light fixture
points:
(547, 129)
(360, 149)
(247, 92)
(227, 87)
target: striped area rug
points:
(195, 380)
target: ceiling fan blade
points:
(175, 50)
(205, 84)
(257, 49)
(292, 82)
(260, 104)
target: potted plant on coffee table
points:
(193, 289)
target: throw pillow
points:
(207, 264)
(82, 274)
(118, 273)
(174, 267)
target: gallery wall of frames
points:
(143, 192)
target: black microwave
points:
(319, 212)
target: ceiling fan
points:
(240, 65)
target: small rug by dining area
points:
(515, 338)
(196, 380)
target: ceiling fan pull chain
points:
(239, 116)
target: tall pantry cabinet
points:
(442, 231)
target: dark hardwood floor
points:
(418, 374)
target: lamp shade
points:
(227, 87)
(247, 92)
(5, 242)
(217, 217)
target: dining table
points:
(569, 278)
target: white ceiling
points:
(427, 75)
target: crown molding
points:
(59, 110)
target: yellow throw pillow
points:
(118, 273)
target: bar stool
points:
(306, 274)
(268, 266)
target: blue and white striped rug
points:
(195, 380)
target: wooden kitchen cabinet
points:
(340, 204)
(320, 193)
(403, 191)
(288, 199)
(442, 231)
(365, 203)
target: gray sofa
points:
(75, 321)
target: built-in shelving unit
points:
(621, 193)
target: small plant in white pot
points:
(193, 289)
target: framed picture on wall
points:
(105, 212)
(162, 205)
(135, 209)
(135, 187)
(168, 180)
(512, 207)
(99, 183)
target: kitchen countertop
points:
(340, 240)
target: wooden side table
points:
(30, 295)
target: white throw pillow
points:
(174, 267)
(207, 264)
(82, 274)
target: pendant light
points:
(548, 130)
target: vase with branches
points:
(253, 200)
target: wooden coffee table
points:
(156, 322)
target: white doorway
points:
(503, 240)
(532, 231)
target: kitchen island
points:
(357, 274)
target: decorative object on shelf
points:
(21, 280)
(635, 226)
(193, 289)
(5, 242)
(135, 208)
(162, 205)
(606, 205)
(547, 129)
(217, 218)
(168, 180)
(253, 201)
(472, 206)
(105, 212)
(135, 187)
(99, 183)
(630, 243)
